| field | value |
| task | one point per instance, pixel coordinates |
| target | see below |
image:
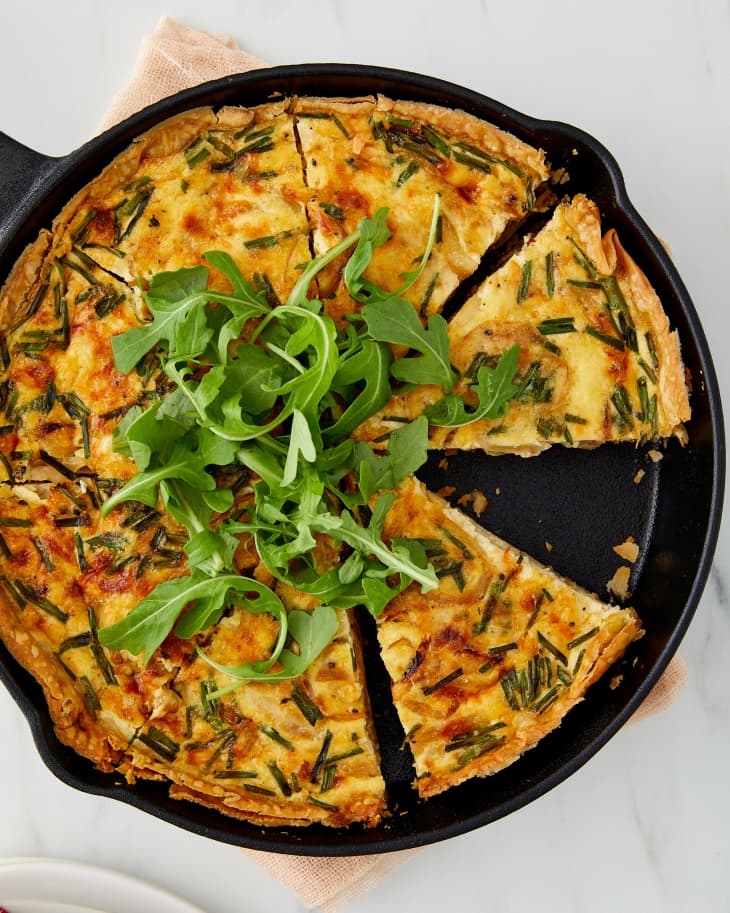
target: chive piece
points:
(74, 405)
(652, 350)
(410, 734)
(321, 757)
(281, 780)
(486, 667)
(622, 405)
(235, 775)
(198, 157)
(71, 522)
(7, 467)
(423, 309)
(34, 305)
(334, 211)
(455, 570)
(85, 436)
(333, 759)
(4, 353)
(478, 750)
(545, 427)
(160, 743)
(509, 687)
(564, 676)
(473, 737)
(549, 274)
(74, 499)
(258, 790)
(81, 557)
(472, 163)
(524, 285)
(546, 700)
(328, 778)
(583, 638)
(556, 325)
(502, 648)
(432, 136)
(4, 547)
(320, 804)
(558, 654)
(13, 591)
(40, 602)
(15, 521)
(309, 710)
(73, 643)
(91, 696)
(253, 176)
(529, 195)
(102, 661)
(56, 464)
(447, 679)
(267, 241)
(408, 172)
(276, 737)
(578, 662)
(582, 283)
(605, 338)
(647, 370)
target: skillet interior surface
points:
(578, 504)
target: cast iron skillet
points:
(582, 503)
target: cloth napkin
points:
(172, 58)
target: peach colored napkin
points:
(172, 58)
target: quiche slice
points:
(490, 662)
(288, 753)
(364, 154)
(201, 181)
(597, 361)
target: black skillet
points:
(581, 503)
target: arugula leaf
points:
(311, 631)
(369, 363)
(170, 298)
(494, 387)
(372, 233)
(394, 320)
(175, 300)
(150, 622)
(407, 451)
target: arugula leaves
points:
(494, 387)
(280, 390)
(394, 320)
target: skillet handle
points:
(22, 171)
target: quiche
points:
(597, 360)
(487, 664)
(487, 650)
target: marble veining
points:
(643, 825)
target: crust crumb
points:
(619, 583)
(628, 550)
(655, 456)
(548, 545)
(639, 476)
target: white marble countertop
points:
(644, 825)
